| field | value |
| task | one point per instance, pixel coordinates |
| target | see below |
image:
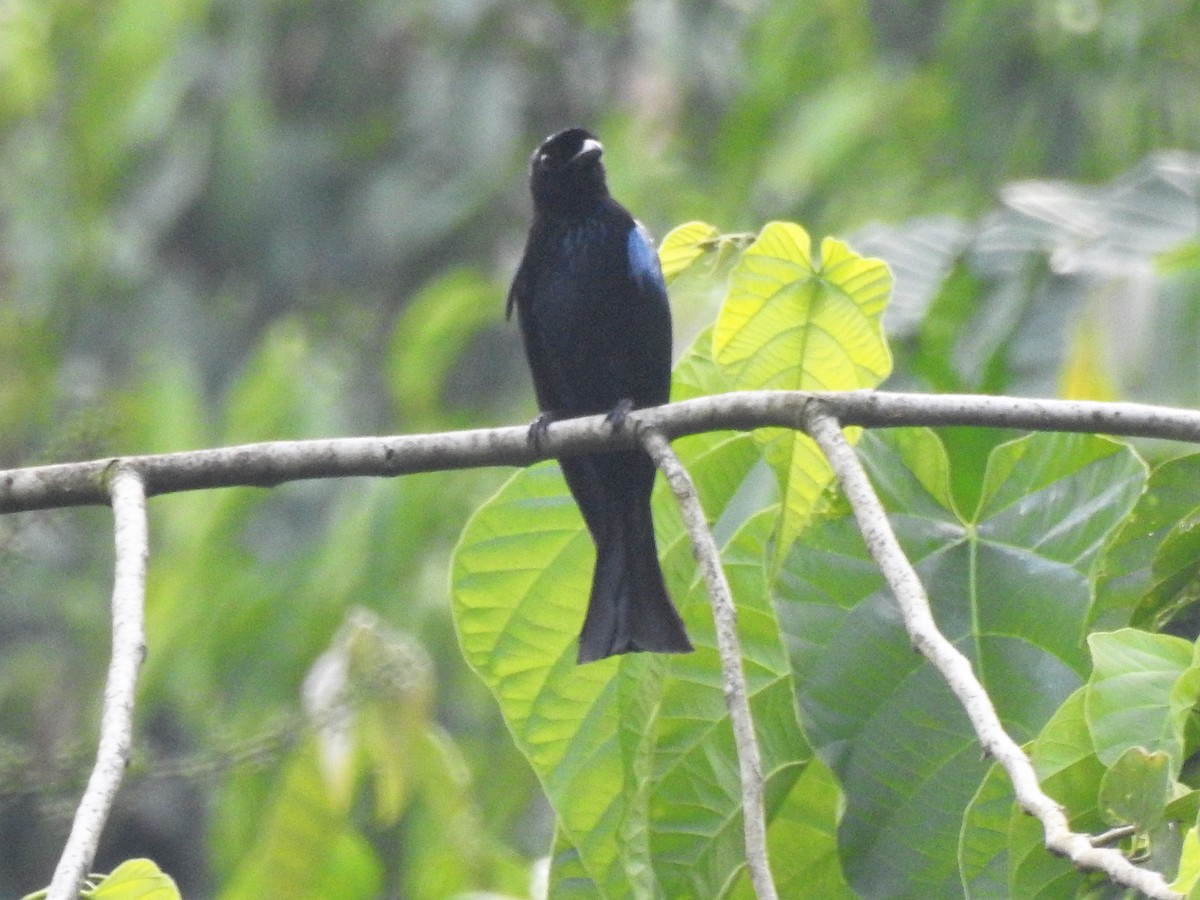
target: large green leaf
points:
(616, 744)
(792, 321)
(796, 322)
(1009, 586)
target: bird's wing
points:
(643, 261)
(648, 364)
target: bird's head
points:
(565, 173)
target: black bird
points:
(592, 305)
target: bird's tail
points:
(629, 609)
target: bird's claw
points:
(616, 416)
(538, 429)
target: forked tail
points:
(629, 609)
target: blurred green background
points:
(225, 221)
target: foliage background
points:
(235, 220)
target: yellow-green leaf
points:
(1086, 375)
(792, 322)
(686, 244)
(135, 879)
(305, 843)
(796, 322)
(1189, 864)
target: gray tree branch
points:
(131, 540)
(270, 464)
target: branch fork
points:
(126, 483)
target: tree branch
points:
(270, 464)
(129, 649)
(956, 669)
(754, 815)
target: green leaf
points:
(1136, 788)
(1189, 864)
(372, 694)
(1008, 586)
(135, 879)
(684, 245)
(695, 799)
(1142, 689)
(802, 841)
(305, 847)
(520, 581)
(795, 323)
(1070, 772)
(430, 336)
(1176, 573)
(634, 753)
(983, 842)
(1126, 589)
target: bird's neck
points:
(570, 206)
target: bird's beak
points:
(591, 149)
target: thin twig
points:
(1113, 835)
(270, 464)
(116, 721)
(734, 678)
(956, 669)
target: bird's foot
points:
(539, 428)
(616, 416)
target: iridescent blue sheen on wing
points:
(643, 261)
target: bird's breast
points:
(583, 248)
